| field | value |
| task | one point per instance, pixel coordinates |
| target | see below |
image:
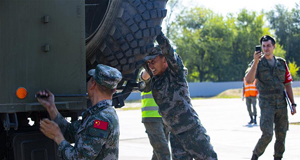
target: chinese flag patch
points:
(100, 124)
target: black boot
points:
(254, 157)
(251, 121)
(277, 158)
(254, 121)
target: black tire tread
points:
(131, 37)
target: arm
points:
(67, 129)
(51, 130)
(168, 52)
(59, 127)
(89, 144)
(250, 76)
(48, 102)
(288, 87)
(290, 94)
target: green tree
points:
(293, 70)
(172, 6)
(286, 25)
(250, 27)
(215, 48)
(279, 51)
(204, 41)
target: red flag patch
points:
(100, 124)
(288, 76)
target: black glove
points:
(161, 39)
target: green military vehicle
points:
(51, 44)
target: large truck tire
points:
(120, 33)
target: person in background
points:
(250, 93)
(157, 132)
(273, 78)
(96, 136)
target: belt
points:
(275, 91)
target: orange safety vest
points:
(250, 89)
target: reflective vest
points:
(250, 89)
(149, 107)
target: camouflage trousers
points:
(251, 101)
(194, 143)
(269, 116)
(158, 136)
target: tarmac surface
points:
(226, 122)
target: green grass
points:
(125, 108)
(230, 93)
(237, 93)
(131, 105)
(198, 98)
(295, 123)
(132, 101)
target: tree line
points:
(217, 48)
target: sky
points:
(234, 6)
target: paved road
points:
(225, 121)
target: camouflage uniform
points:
(158, 137)
(188, 137)
(96, 136)
(271, 85)
(158, 134)
(251, 101)
(91, 142)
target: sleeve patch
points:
(288, 76)
(100, 124)
(94, 132)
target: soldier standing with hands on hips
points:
(273, 78)
(96, 136)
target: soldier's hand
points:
(46, 98)
(257, 56)
(294, 110)
(145, 75)
(51, 130)
(161, 39)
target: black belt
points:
(275, 91)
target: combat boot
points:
(277, 158)
(251, 121)
(254, 120)
(254, 157)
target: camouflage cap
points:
(106, 76)
(154, 53)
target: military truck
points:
(51, 44)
